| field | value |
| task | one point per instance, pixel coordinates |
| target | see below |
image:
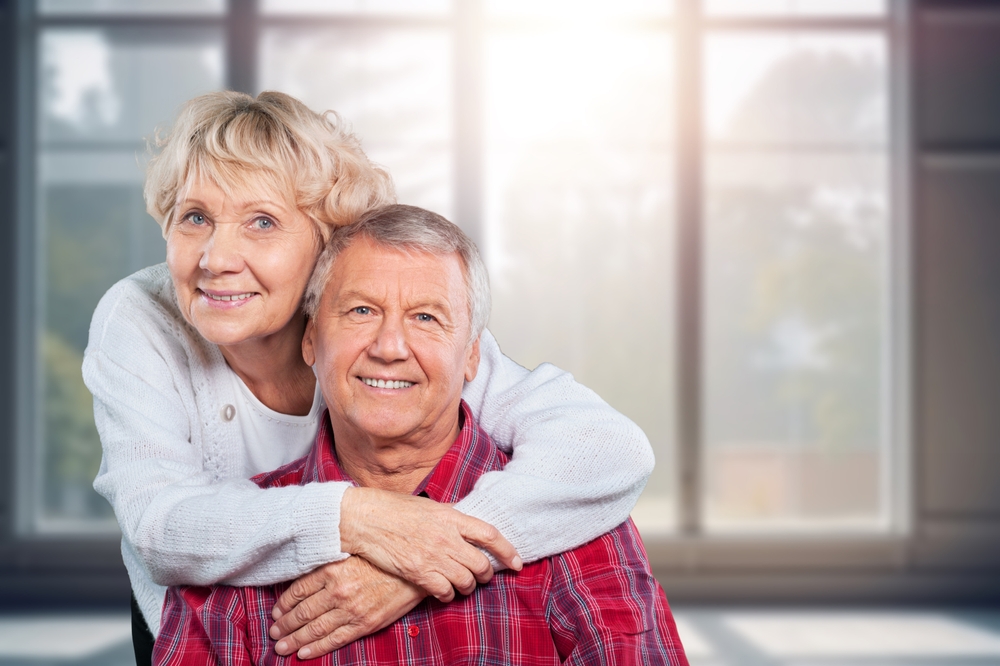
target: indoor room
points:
(765, 231)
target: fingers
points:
(460, 577)
(486, 536)
(439, 587)
(422, 541)
(321, 631)
(338, 639)
(301, 589)
(361, 600)
(470, 566)
(303, 613)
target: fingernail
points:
(516, 563)
(276, 613)
(281, 647)
(304, 653)
(273, 632)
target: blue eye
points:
(263, 223)
(362, 310)
(423, 316)
(195, 218)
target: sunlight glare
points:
(577, 10)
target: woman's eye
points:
(263, 223)
(195, 218)
(362, 310)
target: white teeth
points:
(389, 384)
(234, 297)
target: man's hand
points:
(429, 544)
(336, 604)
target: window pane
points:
(100, 94)
(575, 10)
(796, 7)
(131, 6)
(796, 283)
(119, 86)
(796, 89)
(580, 221)
(392, 86)
(356, 6)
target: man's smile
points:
(386, 383)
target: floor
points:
(712, 637)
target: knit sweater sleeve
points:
(188, 523)
(578, 465)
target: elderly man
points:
(397, 304)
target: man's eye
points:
(263, 223)
(423, 316)
(362, 310)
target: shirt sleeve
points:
(605, 607)
(186, 525)
(578, 465)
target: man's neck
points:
(399, 465)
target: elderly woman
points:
(199, 383)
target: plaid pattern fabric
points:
(596, 604)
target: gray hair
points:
(403, 227)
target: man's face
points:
(390, 342)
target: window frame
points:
(60, 570)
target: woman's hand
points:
(336, 604)
(429, 544)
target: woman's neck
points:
(274, 370)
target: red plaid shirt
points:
(596, 604)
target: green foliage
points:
(93, 241)
(72, 446)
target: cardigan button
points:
(228, 413)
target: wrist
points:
(362, 515)
(352, 518)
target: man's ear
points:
(472, 361)
(309, 342)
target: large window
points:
(687, 204)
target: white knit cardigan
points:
(172, 461)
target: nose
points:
(221, 252)
(390, 343)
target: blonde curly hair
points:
(242, 143)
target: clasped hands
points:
(406, 548)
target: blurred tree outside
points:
(89, 249)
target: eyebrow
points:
(241, 206)
(443, 306)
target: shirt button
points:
(228, 413)
(413, 631)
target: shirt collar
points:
(470, 456)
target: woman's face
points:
(239, 264)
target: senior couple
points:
(360, 409)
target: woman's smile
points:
(226, 299)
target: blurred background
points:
(765, 230)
